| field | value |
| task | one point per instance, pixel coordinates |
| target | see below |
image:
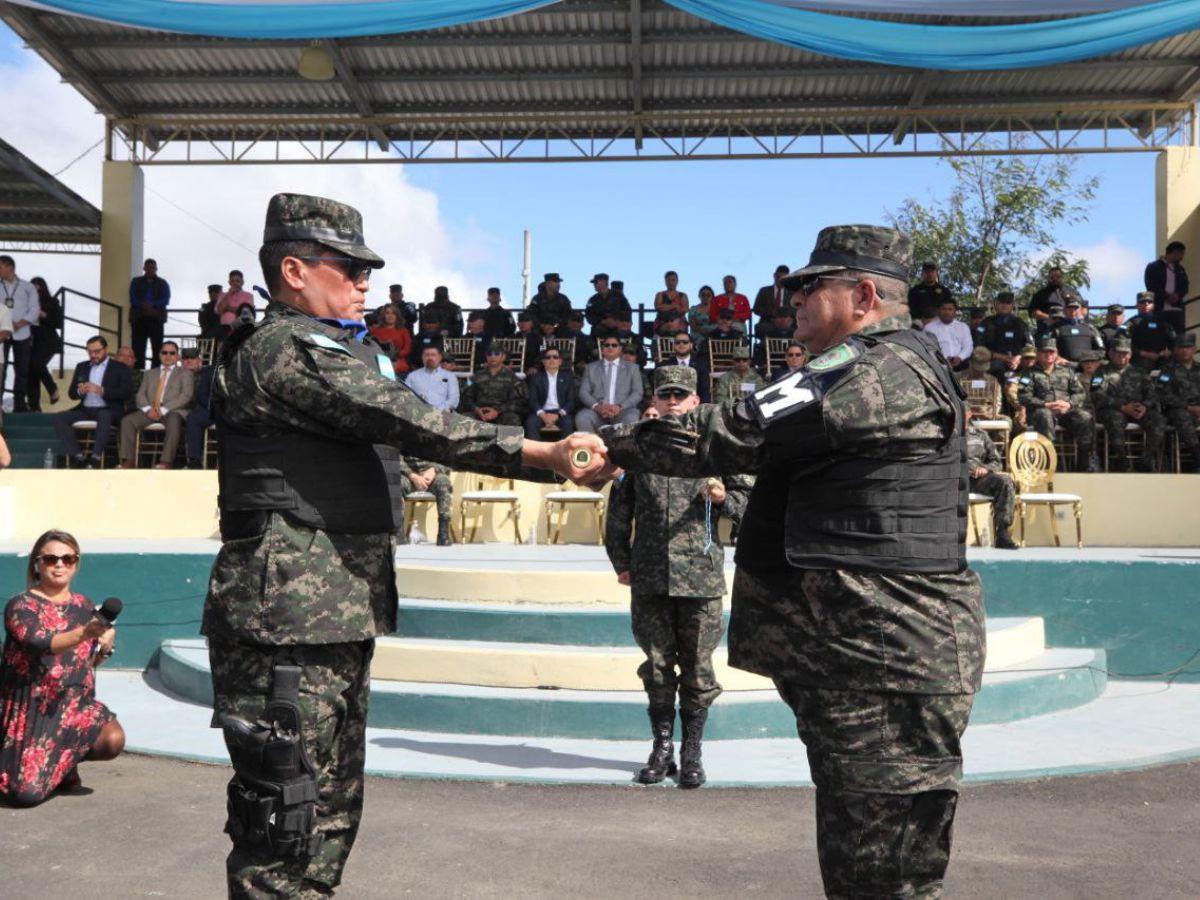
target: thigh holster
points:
(272, 797)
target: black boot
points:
(443, 538)
(1004, 540)
(662, 757)
(691, 769)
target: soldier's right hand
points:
(668, 432)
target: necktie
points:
(611, 379)
(162, 387)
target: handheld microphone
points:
(108, 611)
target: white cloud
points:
(51, 123)
(1115, 269)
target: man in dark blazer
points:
(551, 409)
(101, 385)
(771, 298)
(686, 354)
(1167, 278)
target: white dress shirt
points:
(954, 337)
(438, 388)
(96, 376)
(551, 404)
(21, 298)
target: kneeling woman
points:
(49, 716)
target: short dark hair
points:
(705, 287)
(1175, 245)
(165, 343)
(682, 334)
(493, 290)
(271, 255)
(669, 273)
(237, 272)
(8, 260)
(97, 339)
(150, 262)
(433, 347)
(32, 573)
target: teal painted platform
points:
(29, 436)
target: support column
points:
(121, 247)
(1177, 211)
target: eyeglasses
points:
(49, 560)
(551, 356)
(683, 343)
(609, 346)
(354, 269)
(794, 355)
(674, 393)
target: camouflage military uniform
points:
(1112, 388)
(997, 484)
(879, 665)
(729, 385)
(1178, 388)
(677, 583)
(441, 486)
(503, 392)
(1036, 387)
(284, 593)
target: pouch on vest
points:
(272, 796)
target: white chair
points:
(482, 497)
(85, 436)
(150, 441)
(1032, 463)
(974, 500)
(563, 500)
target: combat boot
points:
(1004, 540)
(662, 757)
(691, 769)
(443, 538)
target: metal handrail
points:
(119, 332)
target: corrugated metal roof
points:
(559, 67)
(36, 207)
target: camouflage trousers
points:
(678, 632)
(1185, 425)
(1077, 423)
(334, 687)
(887, 769)
(1152, 424)
(999, 486)
(442, 490)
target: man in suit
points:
(611, 390)
(685, 354)
(551, 397)
(771, 298)
(200, 416)
(1168, 281)
(101, 385)
(165, 396)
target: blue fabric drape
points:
(902, 44)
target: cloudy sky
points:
(461, 225)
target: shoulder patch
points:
(328, 343)
(1025, 380)
(386, 369)
(839, 356)
(1097, 380)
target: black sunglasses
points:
(676, 393)
(354, 269)
(49, 559)
(551, 356)
(610, 346)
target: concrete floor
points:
(151, 828)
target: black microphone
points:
(108, 611)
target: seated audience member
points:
(1114, 324)
(669, 324)
(975, 323)
(199, 417)
(422, 475)
(736, 303)
(978, 378)
(738, 381)
(610, 391)
(101, 385)
(497, 321)
(725, 329)
(230, 302)
(953, 336)
(985, 467)
(1076, 334)
(795, 357)
(390, 332)
(1122, 394)
(446, 314)
(1005, 334)
(428, 336)
(633, 354)
(124, 355)
(50, 719)
(781, 328)
(1179, 395)
(1052, 395)
(684, 353)
(434, 384)
(701, 317)
(165, 396)
(671, 302)
(1011, 388)
(1151, 336)
(495, 394)
(552, 398)
(477, 331)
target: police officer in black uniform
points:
(1114, 324)
(1005, 334)
(928, 294)
(1076, 334)
(1152, 337)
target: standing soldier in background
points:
(1123, 394)
(311, 419)
(1179, 395)
(675, 567)
(928, 294)
(852, 589)
(1050, 393)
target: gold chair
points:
(974, 500)
(149, 446)
(514, 349)
(663, 347)
(414, 499)
(776, 354)
(483, 497)
(460, 352)
(562, 500)
(206, 346)
(1032, 463)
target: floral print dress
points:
(49, 715)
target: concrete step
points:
(1053, 681)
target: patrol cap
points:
(1145, 297)
(674, 378)
(215, 287)
(1005, 297)
(599, 276)
(1047, 342)
(1115, 308)
(1122, 345)
(867, 248)
(981, 358)
(301, 217)
(1054, 308)
(395, 287)
(618, 286)
(552, 276)
(743, 352)
(524, 317)
(1029, 351)
(1091, 356)
(631, 347)
(1187, 339)
(1074, 303)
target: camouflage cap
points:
(1005, 297)
(1187, 339)
(300, 217)
(1122, 345)
(981, 358)
(1145, 297)
(1029, 351)
(867, 248)
(741, 352)
(668, 378)
(1115, 308)
(1091, 356)
(1047, 342)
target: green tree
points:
(997, 229)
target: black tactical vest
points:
(876, 515)
(341, 486)
(1073, 339)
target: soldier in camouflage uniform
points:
(1011, 390)
(852, 590)
(732, 384)
(311, 417)
(675, 566)
(423, 475)
(1179, 395)
(495, 394)
(1121, 394)
(986, 468)
(1051, 393)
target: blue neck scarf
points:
(358, 329)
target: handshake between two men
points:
(584, 458)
